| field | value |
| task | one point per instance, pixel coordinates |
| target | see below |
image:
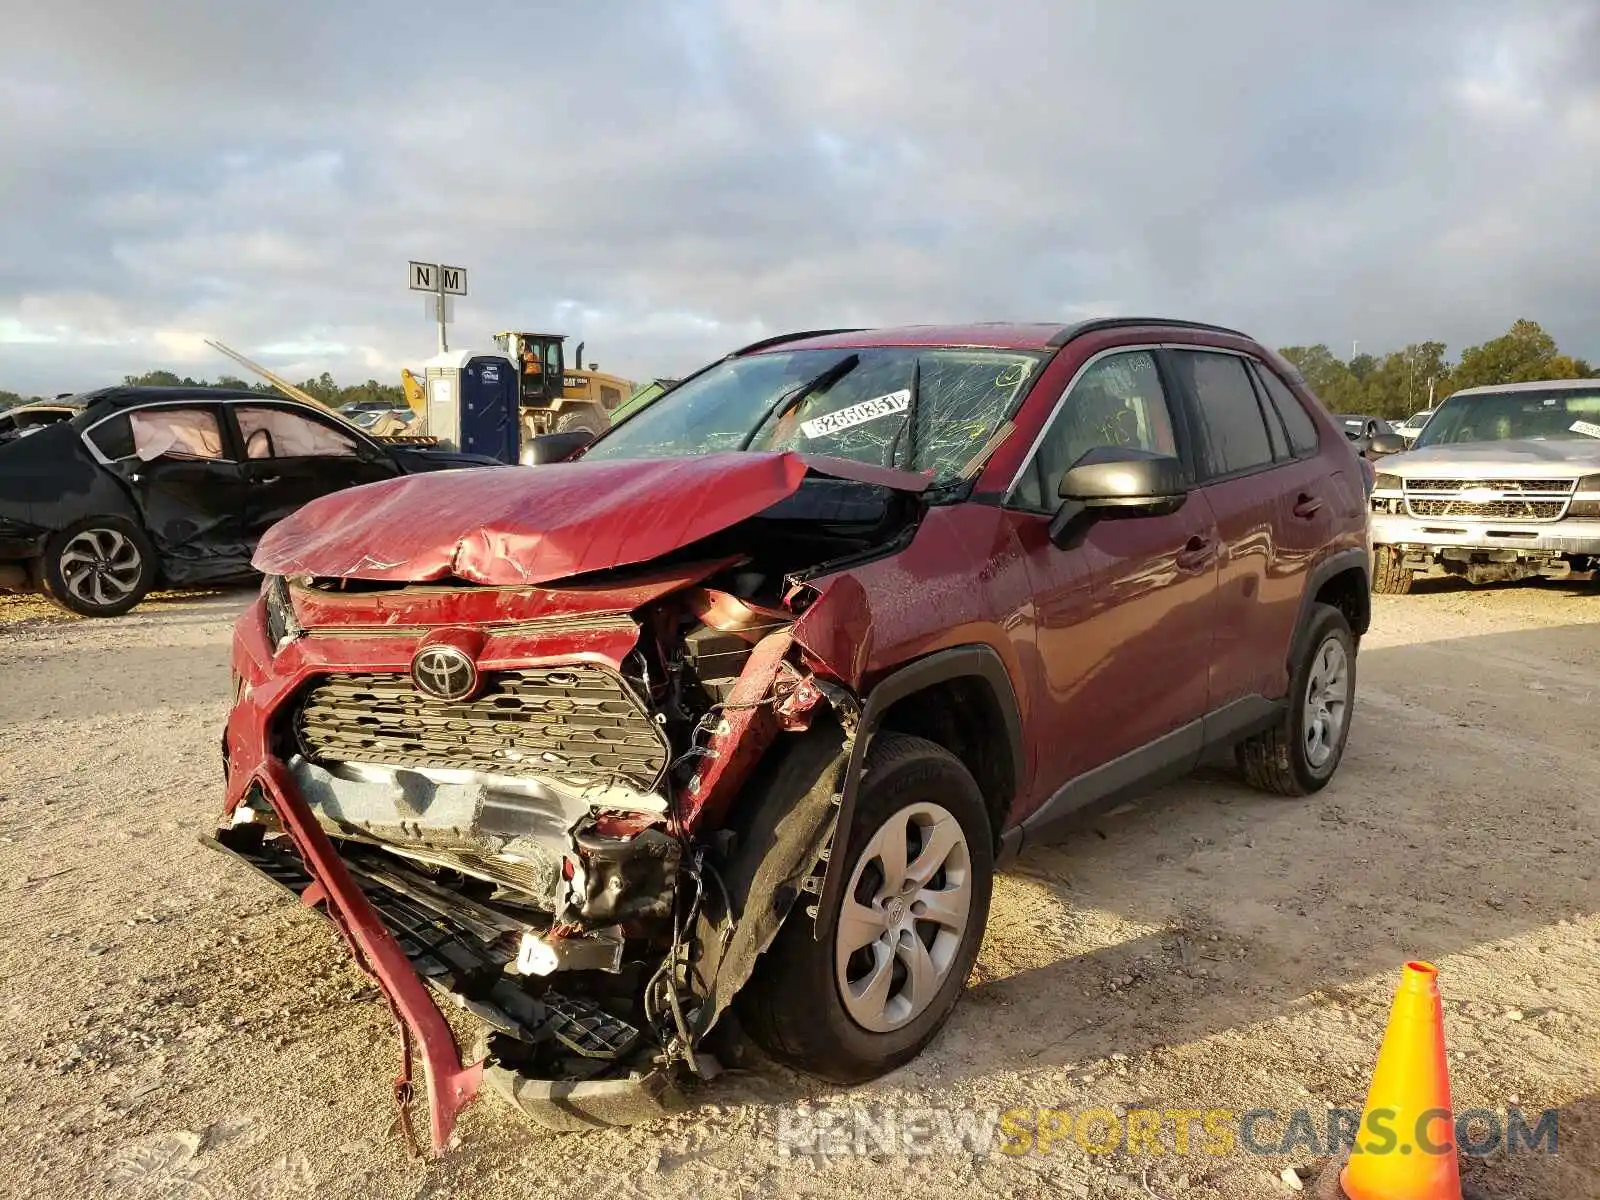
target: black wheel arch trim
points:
(971, 661)
(1337, 563)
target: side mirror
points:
(555, 447)
(1385, 443)
(1114, 482)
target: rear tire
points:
(585, 417)
(99, 567)
(1299, 755)
(892, 957)
(1390, 578)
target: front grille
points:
(1506, 509)
(1488, 510)
(1546, 487)
(580, 724)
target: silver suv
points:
(1503, 483)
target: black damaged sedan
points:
(147, 486)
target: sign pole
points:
(440, 282)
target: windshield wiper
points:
(794, 397)
(909, 425)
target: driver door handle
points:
(1307, 506)
(1196, 553)
(270, 479)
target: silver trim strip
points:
(1055, 410)
(1027, 459)
(221, 402)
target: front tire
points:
(100, 567)
(1299, 754)
(895, 951)
(1390, 576)
(585, 417)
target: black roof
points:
(123, 396)
(1061, 336)
(1068, 332)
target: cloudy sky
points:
(668, 180)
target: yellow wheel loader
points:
(558, 397)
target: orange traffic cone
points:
(1406, 1146)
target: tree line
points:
(1402, 382)
(1396, 385)
(323, 388)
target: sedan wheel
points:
(101, 567)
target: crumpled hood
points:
(1490, 460)
(504, 526)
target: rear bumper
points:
(1518, 540)
(20, 549)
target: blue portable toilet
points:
(474, 404)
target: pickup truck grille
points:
(580, 724)
(1544, 487)
(1489, 510)
(1491, 499)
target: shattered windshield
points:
(1556, 415)
(917, 408)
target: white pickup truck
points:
(1503, 483)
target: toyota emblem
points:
(444, 672)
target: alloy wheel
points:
(101, 567)
(1327, 703)
(905, 916)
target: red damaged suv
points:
(739, 708)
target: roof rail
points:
(779, 339)
(1068, 332)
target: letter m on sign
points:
(453, 280)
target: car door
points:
(1269, 509)
(1122, 619)
(1314, 502)
(182, 470)
(292, 455)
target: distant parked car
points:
(138, 485)
(19, 422)
(368, 418)
(1361, 430)
(1412, 425)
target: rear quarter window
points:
(1301, 428)
(113, 437)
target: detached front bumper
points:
(399, 945)
(440, 951)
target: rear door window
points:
(1234, 428)
(175, 433)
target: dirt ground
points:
(171, 1026)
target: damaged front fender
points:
(779, 844)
